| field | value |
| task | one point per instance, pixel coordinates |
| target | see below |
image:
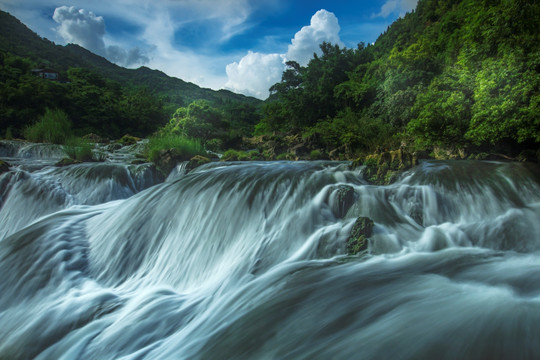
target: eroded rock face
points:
(340, 199)
(360, 232)
(384, 168)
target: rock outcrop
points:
(360, 232)
(384, 168)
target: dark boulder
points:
(340, 200)
(4, 166)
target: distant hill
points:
(19, 40)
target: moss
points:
(67, 161)
(197, 161)
(360, 232)
(384, 168)
(128, 140)
(243, 156)
(230, 155)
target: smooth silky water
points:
(248, 261)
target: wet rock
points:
(360, 232)
(341, 198)
(129, 140)
(95, 138)
(67, 161)
(4, 166)
(196, 161)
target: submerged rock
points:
(360, 232)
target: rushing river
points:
(248, 261)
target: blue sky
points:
(239, 45)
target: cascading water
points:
(248, 261)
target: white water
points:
(236, 261)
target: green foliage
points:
(98, 96)
(79, 149)
(450, 74)
(285, 156)
(230, 155)
(9, 134)
(315, 155)
(54, 127)
(182, 147)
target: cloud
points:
(256, 72)
(84, 28)
(324, 27)
(396, 6)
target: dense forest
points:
(96, 95)
(457, 75)
(451, 76)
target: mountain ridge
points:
(16, 38)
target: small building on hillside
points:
(48, 74)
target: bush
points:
(182, 147)
(315, 155)
(129, 140)
(285, 156)
(79, 149)
(53, 127)
(243, 156)
(230, 155)
(255, 155)
(9, 134)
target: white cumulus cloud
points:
(396, 7)
(324, 27)
(255, 73)
(84, 28)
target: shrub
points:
(243, 156)
(230, 155)
(53, 127)
(255, 155)
(182, 147)
(79, 149)
(9, 134)
(315, 155)
(128, 140)
(285, 156)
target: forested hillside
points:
(451, 75)
(97, 96)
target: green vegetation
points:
(79, 149)
(98, 96)
(450, 78)
(454, 75)
(54, 127)
(181, 147)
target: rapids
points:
(248, 261)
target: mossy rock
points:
(67, 161)
(95, 138)
(384, 168)
(360, 233)
(129, 140)
(4, 166)
(196, 161)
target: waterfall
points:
(248, 261)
